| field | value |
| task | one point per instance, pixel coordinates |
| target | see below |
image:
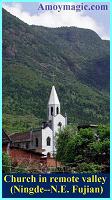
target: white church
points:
(55, 122)
(43, 140)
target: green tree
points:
(6, 163)
(86, 149)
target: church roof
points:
(53, 99)
(22, 137)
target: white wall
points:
(47, 132)
(56, 119)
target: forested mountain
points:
(79, 59)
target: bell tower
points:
(53, 104)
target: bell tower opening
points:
(53, 104)
(57, 110)
(52, 111)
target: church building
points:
(43, 139)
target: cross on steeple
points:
(53, 76)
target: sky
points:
(98, 21)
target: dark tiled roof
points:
(22, 137)
(87, 126)
(5, 137)
(47, 124)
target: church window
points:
(36, 142)
(60, 124)
(48, 155)
(27, 145)
(51, 110)
(18, 145)
(48, 141)
(57, 109)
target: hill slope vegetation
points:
(79, 59)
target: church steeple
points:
(53, 104)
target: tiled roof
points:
(87, 126)
(21, 137)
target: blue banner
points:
(56, 185)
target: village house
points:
(33, 160)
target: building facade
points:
(43, 140)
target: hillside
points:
(80, 62)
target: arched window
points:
(57, 110)
(36, 142)
(51, 110)
(60, 124)
(48, 155)
(18, 145)
(27, 145)
(48, 141)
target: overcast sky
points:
(99, 21)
